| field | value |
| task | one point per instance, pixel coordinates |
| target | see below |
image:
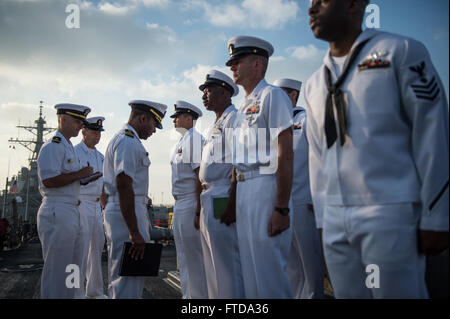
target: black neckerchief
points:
(336, 98)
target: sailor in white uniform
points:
(219, 241)
(305, 267)
(262, 194)
(58, 218)
(186, 188)
(126, 184)
(90, 209)
(378, 131)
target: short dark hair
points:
(264, 62)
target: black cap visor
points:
(158, 116)
(216, 82)
(238, 53)
(184, 111)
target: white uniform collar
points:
(225, 113)
(261, 85)
(366, 34)
(85, 148)
(63, 139)
(129, 127)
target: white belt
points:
(62, 200)
(219, 182)
(93, 198)
(243, 176)
(177, 197)
(137, 198)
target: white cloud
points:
(114, 9)
(265, 14)
(277, 58)
(151, 3)
(171, 35)
(305, 52)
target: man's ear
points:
(142, 119)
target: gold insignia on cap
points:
(231, 48)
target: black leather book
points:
(148, 267)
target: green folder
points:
(219, 205)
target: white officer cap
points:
(95, 123)
(214, 77)
(244, 45)
(182, 107)
(288, 83)
(158, 110)
(78, 111)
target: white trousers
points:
(117, 233)
(263, 258)
(60, 232)
(189, 249)
(358, 240)
(305, 267)
(92, 222)
(220, 250)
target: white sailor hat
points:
(244, 45)
(158, 110)
(182, 107)
(288, 83)
(95, 123)
(78, 111)
(214, 77)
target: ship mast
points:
(39, 131)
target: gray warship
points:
(21, 199)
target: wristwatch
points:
(283, 211)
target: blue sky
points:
(160, 50)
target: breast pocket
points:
(146, 162)
(70, 164)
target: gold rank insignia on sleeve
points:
(56, 139)
(129, 133)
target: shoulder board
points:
(129, 133)
(297, 111)
(56, 139)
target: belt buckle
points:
(240, 177)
